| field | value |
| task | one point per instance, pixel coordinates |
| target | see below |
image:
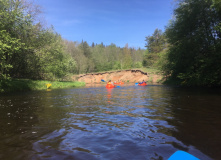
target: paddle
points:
(181, 155)
(102, 80)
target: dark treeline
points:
(194, 35)
(30, 50)
(188, 52)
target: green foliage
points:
(150, 79)
(15, 85)
(53, 61)
(162, 60)
(195, 38)
(113, 58)
(86, 49)
(151, 70)
(117, 65)
(150, 59)
(126, 60)
(157, 42)
(8, 47)
(30, 50)
(137, 65)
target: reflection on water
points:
(129, 122)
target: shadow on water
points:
(25, 118)
(196, 115)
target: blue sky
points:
(107, 21)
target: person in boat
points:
(143, 82)
(109, 82)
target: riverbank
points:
(15, 85)
(130, 75)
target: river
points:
(125, 123)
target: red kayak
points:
(110, 86)
(119, 83)
(142, 84)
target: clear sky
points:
(107, 21)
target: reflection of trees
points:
(196, 116)
(153, 113)
(17, 114)
(24, 118)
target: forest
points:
(188, 51)
(28, 49)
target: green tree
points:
(86, 49)
(28, 49)
(137, 57)
(8, 48)
(92, 45)
(54, 61)
(150, 59)
(194, 35)
(88, 54)
(99, 58)
(127, 60)
(17, 19)
(156, 43)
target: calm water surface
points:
(95, 123)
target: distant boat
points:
(142, 84)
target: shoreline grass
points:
(15, 85)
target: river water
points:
(125, 123)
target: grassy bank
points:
(151, 70)
(26, 85)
